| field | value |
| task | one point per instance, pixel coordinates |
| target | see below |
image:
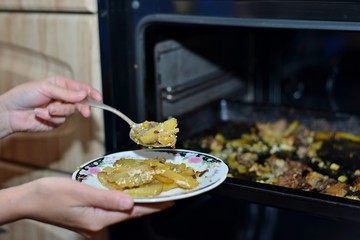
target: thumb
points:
(110, 199)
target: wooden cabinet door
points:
(28, 229)
(37, 45)
(50, 5)
(33, 230)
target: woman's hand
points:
(72, 205)
(43, 105)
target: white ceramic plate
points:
(216, 171)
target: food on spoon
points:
(156, 134)
(148, 177)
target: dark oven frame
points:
(123, 29)
(122, 26)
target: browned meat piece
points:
(317, 181)
(356, 186)
(338, 189)
(290, 179)
(272, 132)
(246, 159)
(304, 137)
(294, 176)
(278, 166)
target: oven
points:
(217, 65)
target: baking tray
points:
(207, 120)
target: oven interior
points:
(188, 66)
(211, 73)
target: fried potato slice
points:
(169, 186)
(102, 176)
(183, 181)
(133, 177)
(146, 190)
(147, 177)
(127, 163)
(163, 179)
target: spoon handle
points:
(95, 104)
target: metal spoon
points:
(137, 129)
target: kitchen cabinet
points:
(41, 38)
